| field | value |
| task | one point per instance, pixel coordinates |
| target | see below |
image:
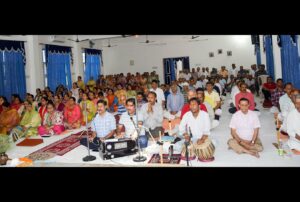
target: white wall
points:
(117, 59)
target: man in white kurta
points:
(293, 126)
(195, 121)
(286, 105)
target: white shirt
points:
(286, 106)
(199, 126)
(249, 83)
(233, 72)
(187, 76)
(293, 128)
(153, 119)
(199, 84)
(245, 124)
(160, 96)
(252, 72)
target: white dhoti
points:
(293, 143)
(168, 115)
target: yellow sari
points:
(91, 110)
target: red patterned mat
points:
(63, 146)
(175, 159)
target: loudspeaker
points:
(255, 39)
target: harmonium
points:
(114, 148)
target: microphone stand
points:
(138, 158)
(88, 157)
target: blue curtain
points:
(290, 59)
(92, 64)
(257, 52)
(269, 55)
(12, 69)
(58, 66)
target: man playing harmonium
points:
(103, 126)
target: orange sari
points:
(8, 120)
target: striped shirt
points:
(121, 109)
(103, 125)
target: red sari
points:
(42, 112)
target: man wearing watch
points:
(245, 126)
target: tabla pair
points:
(204, 151)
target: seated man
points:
(293, 127)
(186, 108)
(245, 126)
(275, 96)
(214, 99)
(72, 114)
(103, 126)
(210, 111)
(287, 105)
(130, 121)
(243, 94)
(53, 121)
(267, 89)
(121, 105)
(175, 101)
(29, 123)
(195, 122)
(9, 118)
(140, 100)
(152, 114)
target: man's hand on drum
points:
(201, 140)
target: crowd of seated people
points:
(51, 112)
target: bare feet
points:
(255, 154)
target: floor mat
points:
(62, 146)
(175, 159)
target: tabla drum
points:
(205, 152)
(191, 152)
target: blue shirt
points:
(121, 109)
(103, 125)
(175, 102)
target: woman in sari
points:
(29, 123)
(9, 118)
(2, 100)
(88, 109)
(17, 104)
(72, 114)
(53, 121)
(59, 106)
(112, 101)
(43, 108)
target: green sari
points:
(31, 120)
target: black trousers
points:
(94, 145)
(267, 94)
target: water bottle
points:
(280, 148)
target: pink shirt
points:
(245, 124)
(247, 95)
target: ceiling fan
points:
(109, 45)
(147, 40)
(77, 39)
